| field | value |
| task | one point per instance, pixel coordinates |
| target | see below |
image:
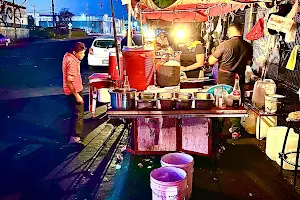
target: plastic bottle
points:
(236, 93)
(126, 84)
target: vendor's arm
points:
(199, 63)
(200, 55)
(216, 54)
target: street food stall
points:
(167, 112)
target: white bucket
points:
(103, 95)
(182, 161)
(168, 183)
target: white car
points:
(99, 51)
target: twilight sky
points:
(77, 6)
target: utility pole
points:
(34, 14)
(15, 27)
(53, 15)
(101, 17)
(86, 16)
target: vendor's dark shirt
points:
(188, 57)
(232, 56)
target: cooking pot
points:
(122, 99)
(167, 75)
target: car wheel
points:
(6, 44)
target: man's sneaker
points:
(74, 140)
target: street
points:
(36, 160)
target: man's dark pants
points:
(77, 110)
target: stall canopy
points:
(186, 10)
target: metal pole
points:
(34, 14)
(129, 38)
(142, 32)
(116, 41)
(53, 15)
(15, 27)
(86, 17)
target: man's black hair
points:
(237, 25)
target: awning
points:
(186, 10)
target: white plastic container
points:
(182, 161)
(103, 95)
(291, 145)
(168, 183)
(262, 88)
(272, 102)
(266, 123)
(273, 135)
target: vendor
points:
(192, 57)
(162, 41)
(232, 56)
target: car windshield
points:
(104, 43)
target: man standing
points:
(72, 86)
(232, 56)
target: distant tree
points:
(30, 21)
(65, 17)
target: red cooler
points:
(139, 66)
(113, 67)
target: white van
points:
(100, 49)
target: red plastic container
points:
(113, 67)
(139, 66)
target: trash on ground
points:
(123, 148)
(250, 194)
(105, 179)
(140, 165)
(215, 179)
(118, 166)
(119, 157)
(149, 167)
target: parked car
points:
(100, 49)
(4, 41)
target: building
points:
(7, 19)
(91, 24)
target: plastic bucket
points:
(182, 161)
(113, 69)
(168, 183)
(139, 67)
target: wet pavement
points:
(242, 172)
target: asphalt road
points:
(36, 161)
(35, 69)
